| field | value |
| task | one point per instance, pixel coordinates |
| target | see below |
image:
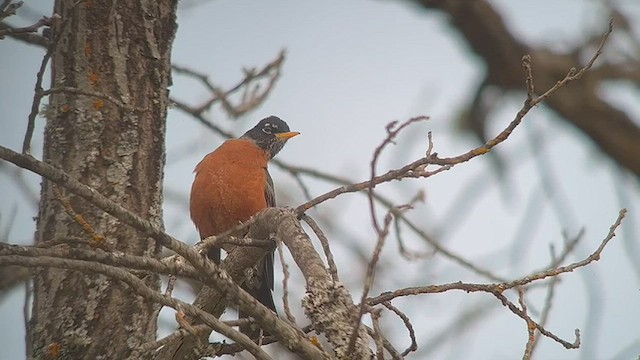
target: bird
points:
(231, 184)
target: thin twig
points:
(518, 312)
(349, 186)
(285, 284)
(218, 240)
(250, 100)
(395, 355)
(37, 91)
(500, 287)
(392, 133)
(232, 349)
(407, 324)
(176, 335)
(526, 64)
(572, 74)
(548, 302)
(377, 333)
(44, 21)
(99, 256)
(398, 215)
(209, 273)
(437, 246)
(416, 168)
(227, 237)
(29, 38)
(546, 309)
(9, 9)
(382, 232)
(369, 277)
(333, 269)
(139, 287)
(531, 326)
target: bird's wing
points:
(270, 195)
(269, 191)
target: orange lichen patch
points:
(94, 78)
(65, 108)
(315, 341)
(88, 49)
(480, 151)
(54, 350)
(97, 240)
(98, 104)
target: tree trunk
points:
(105, 127)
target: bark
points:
(121, 50)
(328, 304)
(213, 301)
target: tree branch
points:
(138, 286)
(487, 35)
(209, 272)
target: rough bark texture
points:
(579, 103)
(120, 49)
(328, 304)
(213, 301)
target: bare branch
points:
(369, 277)
(11, 31)
(416, 168)
(500, 287)
(176, 335)
(530, 322)
(138, 286)
(210, 273)
(285, 285)
(531, 326)
(37, 92)
(98, 256)
(29, 38)
(437, 246)
(377, 333)
(407, 324)
(252, 97)
(395, 355)
(573, 74)
(333, 269)
(7, 8)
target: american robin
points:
(232, 184)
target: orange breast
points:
(228, 187)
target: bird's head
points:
(270, 134)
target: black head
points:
(270, 134)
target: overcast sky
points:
(351, 68)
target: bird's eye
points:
(268, 128)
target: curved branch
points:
(210, 273)
(485, 32)
(138, 286)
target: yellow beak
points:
(286, 135)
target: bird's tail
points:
(260, 287)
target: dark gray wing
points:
(269, 191)
(263, 292)
(270, 195)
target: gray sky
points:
(351, 68)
